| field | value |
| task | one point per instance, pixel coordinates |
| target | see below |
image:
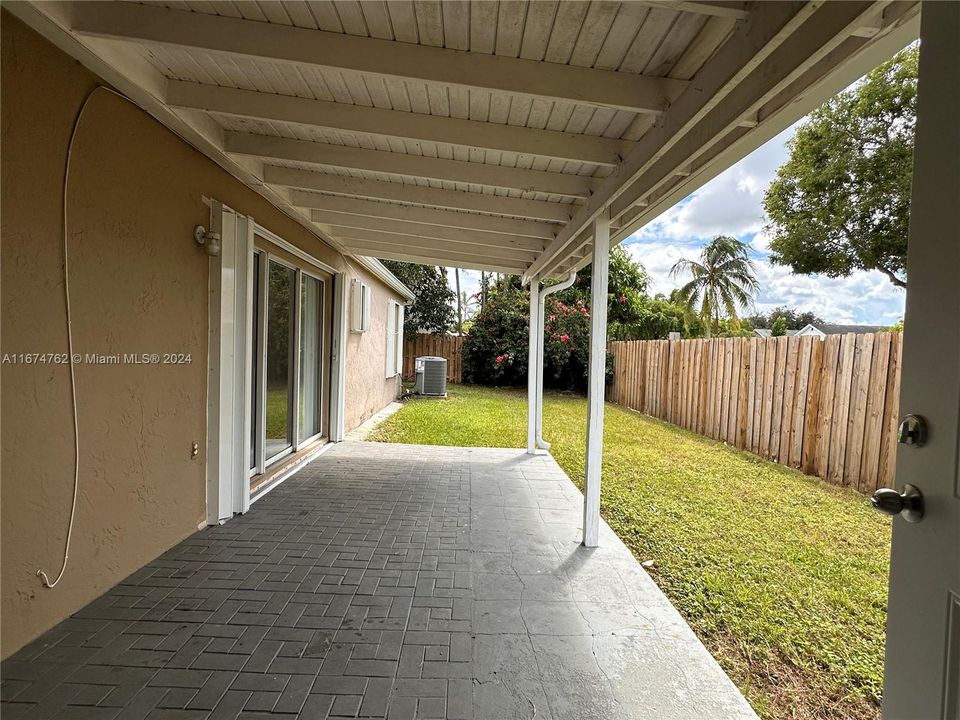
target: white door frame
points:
(231, 346)
(229, 371)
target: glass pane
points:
(311, 347)
(279, 359)
(254, 385)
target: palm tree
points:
(723, 279)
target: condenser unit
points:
(431, 376)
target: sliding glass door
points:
(311, 356)
(279, 372)
(288, 360)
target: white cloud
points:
(731, 204)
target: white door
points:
(922, 673)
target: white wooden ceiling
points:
(479, 134)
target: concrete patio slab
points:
(383, 581)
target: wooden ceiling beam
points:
(426, 216)
(372, 56)
(444, 257)
(345, 185)
(268, 147)
(526, 247)
(397, 124)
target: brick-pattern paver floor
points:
(382, 581)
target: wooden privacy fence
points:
(828, 408)
(445, 346)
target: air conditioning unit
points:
(431, 376)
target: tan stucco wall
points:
(367, 387)
(138, 284)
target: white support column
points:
(596, 378)
(533, 378)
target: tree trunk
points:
(456, 275)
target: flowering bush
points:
(496, 348)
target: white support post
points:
(533, 366)
(596, 378)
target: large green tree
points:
(842, 201)
(722, 281)
(432, 311)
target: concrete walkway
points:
(381, 581)
(363, 430)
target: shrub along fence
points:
(828, 408)
(445, 346)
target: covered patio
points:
(389, 581)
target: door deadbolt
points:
(912, 431)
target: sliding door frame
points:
(233, 346)
(292, 391)
(322, 273)
(323, 349)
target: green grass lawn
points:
(783, 576)
(277, 408)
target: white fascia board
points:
(379, 270)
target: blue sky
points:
(731, 204)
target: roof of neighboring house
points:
(833, 329)
(767, 332)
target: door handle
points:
(907, 504)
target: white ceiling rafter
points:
(527, 246)
(420, 195)
(397, 124)
(267, 147)
(371, 56)
(426, 216)
(478, 158)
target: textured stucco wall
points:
(367, 387)
(138, 284)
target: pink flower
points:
(623, 298)
(552, 318)
(498, 359)
(564, 337)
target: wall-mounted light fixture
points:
(209, 240)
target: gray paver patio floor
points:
(381, 581)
